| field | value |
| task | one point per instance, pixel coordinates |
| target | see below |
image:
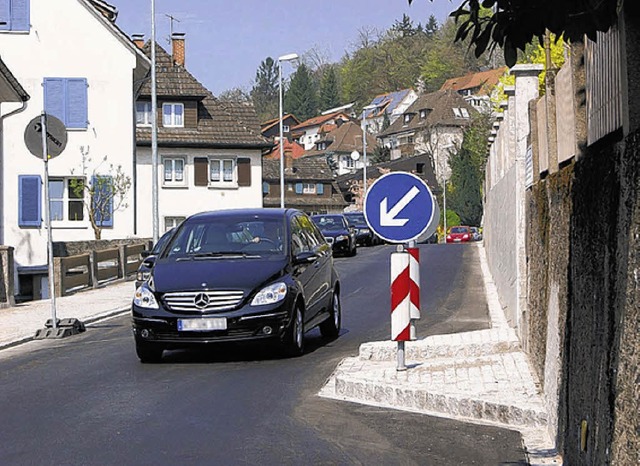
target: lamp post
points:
(154, 130)
(288, 57)
(364, 148)
(444, 202)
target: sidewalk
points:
(481, 377)
(18, 324)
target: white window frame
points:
(349, 162)
(174, 181)
(146, 114)
(308, 188)
(285, 128)
(173, 119)
(457, 112)
(465, 112)
(66, 200)
(172, 222)
(224, 180)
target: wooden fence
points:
(96, 268)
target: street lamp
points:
(154, 130)
(288, 57)
(364, 148)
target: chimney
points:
(177, 48)
(288, 157)
(138, 39)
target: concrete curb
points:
(87, 321)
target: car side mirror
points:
(149, 261)
(305, 257)
(145, 254)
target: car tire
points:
(293, 342)
(148, 353)
(330, 328)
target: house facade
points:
(210, 152)
(83, 70)
(391, 104)
(271, 129)
(309, 185)
(308, 132)
(434, 124)
(476, 88)
(344, 146)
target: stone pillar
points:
(526, 90)
(7, 286)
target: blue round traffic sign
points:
(399, 207)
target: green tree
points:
(380, 154)
(329, 90)
(432, 26)
(301, 97)
(467, 173)
(265, 93)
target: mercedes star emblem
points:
(201, 300)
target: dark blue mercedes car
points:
(238, 275)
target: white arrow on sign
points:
(388, 217)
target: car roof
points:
(226, 213)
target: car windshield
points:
(229, 236)
(356, 219)
(329, 222)
(459, 230)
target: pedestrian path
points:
(19, 323)
(481, 376)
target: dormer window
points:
(407, 118)
(285, 128)
(457, 112)
(465, 112)
(173, 115)
(423, 114)
(321, 146)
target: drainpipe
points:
(20, 109)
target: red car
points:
(459, 234)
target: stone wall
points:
(548, 227)
(72, 248)
(499, 238)
(600, 387)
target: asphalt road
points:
(86, 400)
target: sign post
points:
(400, 208)
(46, 137)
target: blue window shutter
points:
(29, 201)
(320, 188)
(76, 110)
(5, 15)
(101, 186)
(298, 188)
(265, 187)
(54, 98)
(19, 15)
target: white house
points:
(78, 66)
(210, 152)
(310, 131)
(393, 104)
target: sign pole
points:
(47, 219)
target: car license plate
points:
(457, 240)
(202, 325)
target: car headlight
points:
(270, 294)
(364, 230)
(143, 276)
(341, 238)
(144, 298)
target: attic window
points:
(285, 128)
(423, 114)
(465, 112)
(407, 118)
(457, 112)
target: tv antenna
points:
(171, 21)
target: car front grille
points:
(203, 301)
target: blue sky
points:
(227, 39)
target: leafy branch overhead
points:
(512, 24)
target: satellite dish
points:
(355, 155)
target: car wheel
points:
(149, 354)
(293, 342)
(330, 328)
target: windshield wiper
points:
(217, 254)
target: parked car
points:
(476, 234)
(364, 235)
(336, 230)
(238, 275)
(459, 234)
(144, 269)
